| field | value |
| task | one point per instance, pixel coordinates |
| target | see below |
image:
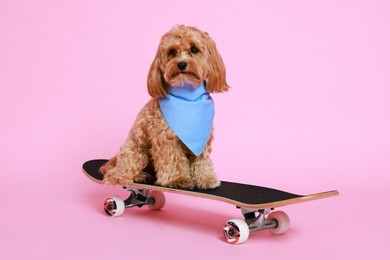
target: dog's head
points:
(186, 55)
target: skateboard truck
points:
(115, 206)
(236, 231)
(259, 222)
(137, 197)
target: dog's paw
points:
(114, 180)
(143, 177)
(207, 183)
(113, 177)
(178, 183)
(126, 178)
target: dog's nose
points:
(182, 65)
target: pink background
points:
(308, 111)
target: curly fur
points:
(150, 139)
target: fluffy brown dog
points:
(185, 55)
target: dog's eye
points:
(172, 52)
(194, 50)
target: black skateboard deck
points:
(238, 194)
(255, 202)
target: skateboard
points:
(256, 203)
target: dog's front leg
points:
(127, 167)
(171, 164)
(202, 171)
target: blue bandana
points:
(189, 112)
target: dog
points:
(187, 68)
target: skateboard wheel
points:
(236, 231)
(283, 222)
(114, 206)
(158, 199)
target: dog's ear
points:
(216, 75)
(156, 83)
